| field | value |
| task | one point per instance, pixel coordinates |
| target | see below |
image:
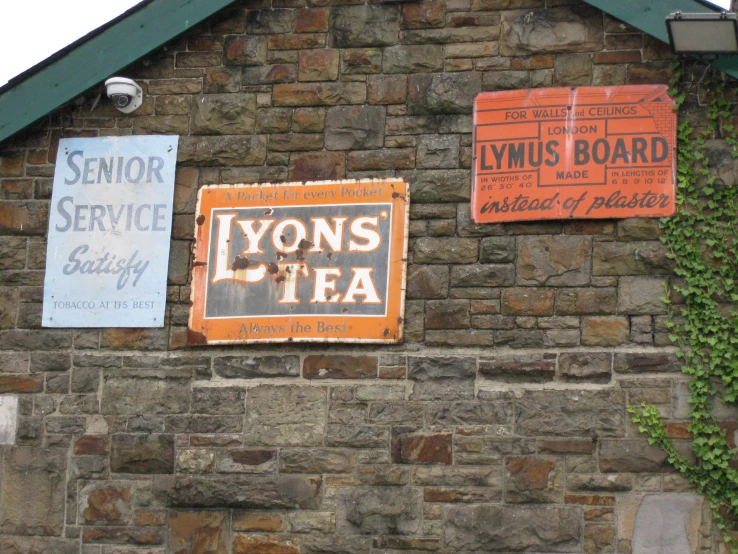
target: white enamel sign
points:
(109, 229)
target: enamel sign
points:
(562, 153)
(296, 262)
(109, 231)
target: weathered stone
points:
(447, 314)
(269, 74)
(222, 79)
(555, 529)
(142, 454)
(361, 61)
(578, 482)
(422, 448)
(554, 261)
(571, 413)
(339, 367)
(497, 250)
(245, 50)
(356, 436)
(318, 65)
(427, 281)
(631, 258)
(37, 545)
(42, 471)
(224, 114)
(195, 460)
(257, 521)
(131, 392)
(222, 150)
(451, 185)
(218, 401)
(668, 523)
(533, 479)
(246, 461)
(554, 30)
(647, 362)
(444, 93)
(505, 80)
(478, 275)
(250, 367)
(23, 218)
(379, 510)
(267, 22)
(516, 368)
(386, 89)
(412, 59)
(107, 503)
(632, 456)
(311, 20)
(316, 460)
(641, 295)
(198, 532)
(573, 70)
(442, 377)
(605, 331)
(354, 127)
(445, 250)
(586, 301)
(12, 253)
(250, 492)
(366, 25)
(286, 415)
(528, 301)
(320, 94)
(438, 152)
(595, 367)
(21, 383)
(8, 419)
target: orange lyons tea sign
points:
(300, 262)
(587, 152)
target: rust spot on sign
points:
(240, 262)
(195, 338)
(200, 219)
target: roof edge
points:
(95, 57)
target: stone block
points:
(106, 503)
(386, 89)
(528, 301)
(131, 392)
(286, 415)
(668, 523)
(605, 331)
(23, 218)
(42, 471)
(314, 20)
(432, 250)
(224, 114)
(436, 152)
(196, 532)
(21, 383)
(423, 14)
(318, 65)
(571, 413)
(631, 258)
(316, 460)
(586, 301)
(443, 93)
(38, 545)
(317, 166)
(245, 50)
(422, 448)
(482, 275)
(246, 461)
(379, 510)
(427, 281)
(339, 367)
(412, 59)
(257, 521)
(8, 419)
(222, 150)
(267, 22)
(632, 456)
(269, 74)
(647, 362)
(614, 482)
(447, 314)
(218, 401)
(366, 25)
(532, 479)
(554, 261)
(517, 368)
(142, 454)
(449, 185)
(442, 377)
(319, 94)
(222, 79)
(361, 61)
(377, 160)
(641, 295)
(565, 29)
(593, 367)
(354, 127)
(250, 367)
(516, 528)
(247, 492)
(497, 250)
(573, 70)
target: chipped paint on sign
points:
(296, 262)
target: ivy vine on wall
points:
(702, 241)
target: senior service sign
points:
(587, 152)
(321, 261)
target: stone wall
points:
(500, 424)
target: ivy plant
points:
(702, 242)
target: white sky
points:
(32, 30)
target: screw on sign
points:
(300, 262)
(586, 152)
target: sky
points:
(32, 30)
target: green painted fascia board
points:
(649, 16)
(99, 58)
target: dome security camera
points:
(124, 93)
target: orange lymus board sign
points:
(300, 262)
(585, 153)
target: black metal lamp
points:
(703, 33)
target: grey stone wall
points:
(500, 425)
